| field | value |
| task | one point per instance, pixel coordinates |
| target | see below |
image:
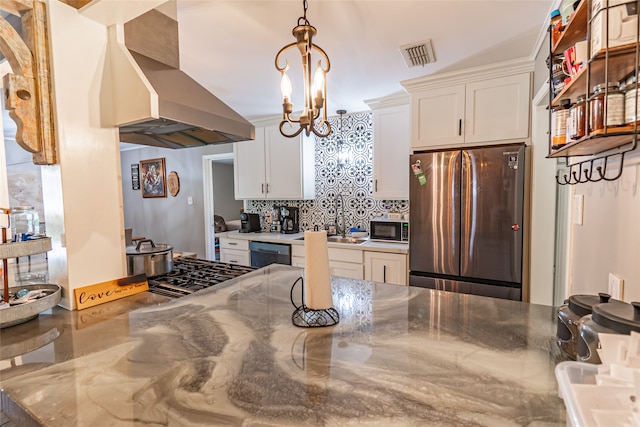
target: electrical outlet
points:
(616, 286)
(578, 208)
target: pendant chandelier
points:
(313, 117)
(343, 152)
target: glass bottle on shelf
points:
(607, 100)
(559, 117)
(556, 26)
(25, 222)
(577, 118)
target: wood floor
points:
(5, 422)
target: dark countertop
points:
(229, 355)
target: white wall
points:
(543, 208)
(82, 194)
(170, 220)
(224, 201)
(608, 241)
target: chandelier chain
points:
(303, 18)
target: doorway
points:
(219, 197)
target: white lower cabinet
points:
(385, 267)
(235, 251)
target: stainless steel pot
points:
(149, 258)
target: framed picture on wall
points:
(135, 176)
(153, 177)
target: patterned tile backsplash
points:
(353, 181)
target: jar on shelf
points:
(631, 104)
(25, 222)
(559, 117)
(577, 127)
(607, 100)
(556, 26)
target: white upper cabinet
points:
(274, 166)
(498, 109)
(249, 167)
(439, 116)
(484, 105)
(391, 146)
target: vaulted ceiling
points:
(229, 46)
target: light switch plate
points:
(189, 200)
(616, 286)
(578, 208)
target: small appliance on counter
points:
(249, 222)
(290, 218)
(389, 230)
(569, 314)
(613, 317)
(276, 220)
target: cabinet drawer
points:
(337, 254)
(235, 256)
(298, 261)
(345, 255)
(346, 269)
(234, 244)
(297, 251)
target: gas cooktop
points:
(192, 274)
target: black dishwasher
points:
(264, 253)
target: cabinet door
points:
(391, 141)
(498, 109)
(385, 268)
(249, 168)
(437, 117)
(283, 165)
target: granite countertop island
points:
(229, 355)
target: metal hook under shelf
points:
(585, 172)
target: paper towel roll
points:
(317, 283)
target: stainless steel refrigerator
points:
(466, 220)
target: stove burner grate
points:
(193, 274)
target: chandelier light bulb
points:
(285, 87)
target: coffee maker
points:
(290, 218)
(276, 220)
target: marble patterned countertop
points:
(229, 355)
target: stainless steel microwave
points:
(389, 230)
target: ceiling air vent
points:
(419, 53)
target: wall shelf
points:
(610, 64)
(595, 144)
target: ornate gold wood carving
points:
(27, 90)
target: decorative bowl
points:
(21, 313)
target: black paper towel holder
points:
(306, 317)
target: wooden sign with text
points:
(99, 293)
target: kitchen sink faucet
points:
(343, 230)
